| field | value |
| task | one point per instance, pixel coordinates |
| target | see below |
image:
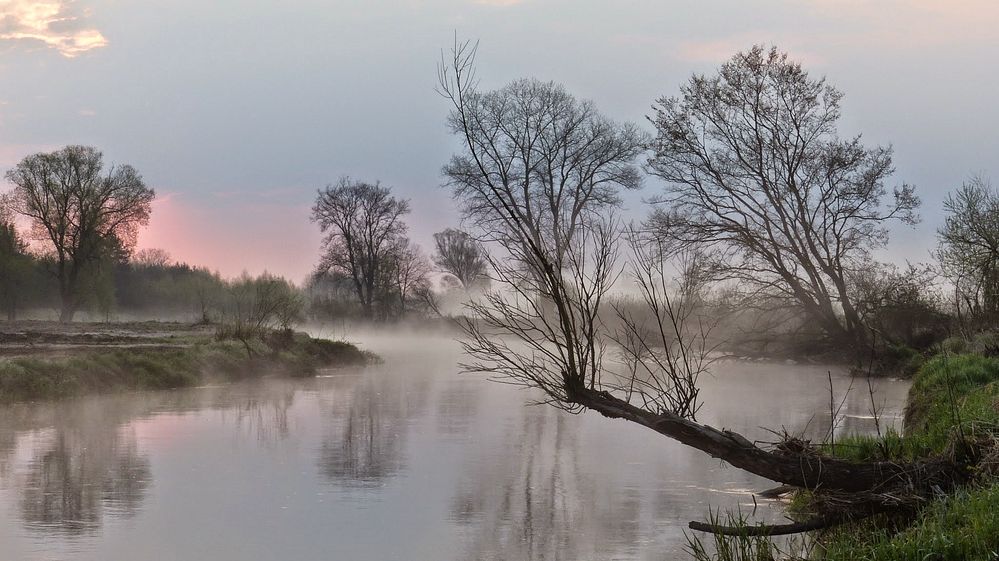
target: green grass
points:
(144, 368)
(961, 527)
(951, 396)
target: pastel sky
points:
(236, 111)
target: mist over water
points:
(407, 459)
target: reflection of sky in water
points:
(404, 461)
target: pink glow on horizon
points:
(230, 235)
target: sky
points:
(237, 111)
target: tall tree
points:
(362, 223)
(76, 207)
(758, 177)
(461, 256)
(969, 249)
(533, 150)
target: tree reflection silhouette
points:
(79, 474)
(367, 428)
(84, 461)
(536, 502)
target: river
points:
(406, 460)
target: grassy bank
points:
(953, 409)
(193, 361)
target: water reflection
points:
(458, 403)
(262, 415)
(535, 502)
(80, 463)
(406, 460)
(76, 477)
(366, 427)
(80, 460)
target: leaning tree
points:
(363, 223)
(78, 210)
(567, 254)
(759, 178)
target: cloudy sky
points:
(236, 111)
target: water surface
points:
(406, 460)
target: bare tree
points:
(77, 209)
(533, 151)
(461, 256)
(152, 257)
(758, 176)
(410, 272)
(560, 350)
(254, 307)
(363, 223)
(969, 249)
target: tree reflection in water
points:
(74, 462)
(83, 468)
(366, 428)
(536, 502)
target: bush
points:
(897, 360)
(985, 343)
(954, 345)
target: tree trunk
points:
(68, 308)
(798, 468)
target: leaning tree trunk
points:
(793, 467)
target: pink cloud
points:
(53, 23)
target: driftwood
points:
(817, 523)
(776, 492)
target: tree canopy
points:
(759, 179)
(78, 209)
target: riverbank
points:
(45, 360)
(953, 411)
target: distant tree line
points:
(77, 252)
(146, 284)
(67, 243)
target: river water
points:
(406, 460)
